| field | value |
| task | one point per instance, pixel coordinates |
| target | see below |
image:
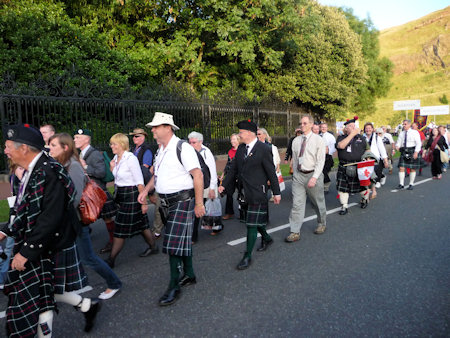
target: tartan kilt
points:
(29, 292)
(179, 226)
(109, 209)
(69, 274)
(129, 219)
(345, 183)
(411, 163)
(257, 215)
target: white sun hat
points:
(162, 118)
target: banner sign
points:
(420, 120)
(434, 110)
(407, 105)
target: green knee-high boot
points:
(175, 266)
(252, 233)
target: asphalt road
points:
(382, 271)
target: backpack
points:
(109, 177)
(203, 166)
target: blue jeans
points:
(4, 264)
(90, 259)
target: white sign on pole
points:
(434, 110)
(407, 105)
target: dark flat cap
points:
(248, 125)
(25, 133)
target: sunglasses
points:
(136, 136)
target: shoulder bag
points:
(91, 203)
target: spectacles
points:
(136, 136)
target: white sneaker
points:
(378, 185)
(383, 181)
(108, 295)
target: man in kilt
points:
(44, 229)
(409, 144)
(180, 188)
(253, 167)
(350, 146)
(92, 161)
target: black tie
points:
(246, 150)
(406, 136)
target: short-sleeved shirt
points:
(170, 175)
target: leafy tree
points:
(38, 40)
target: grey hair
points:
(311, 119)
(407, 121)
(33, 149)
(196, 135)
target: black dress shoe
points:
(91, 314)
(343, 211)
(244, 263)
(364, 203)
(149, 251)
(400, 187)
(170, 296)
(410, 187)
(264, 245)
(186, 280)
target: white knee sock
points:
(401, 177)
(343, 198)
(412, 177)
(74, 299)
(45, 324)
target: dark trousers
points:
(229, 209)
(327, 167)
(436, 165)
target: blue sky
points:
(389, 13)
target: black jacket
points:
(253, 172)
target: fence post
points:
(255, 110)
(206, 117)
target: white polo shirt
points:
(170, 175)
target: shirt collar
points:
(84, 151)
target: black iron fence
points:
(105, 117)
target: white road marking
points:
(415, 183)
(284, 226)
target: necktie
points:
(406, 136)
(302, 150)
(246, 150)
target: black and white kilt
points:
(345, 183)
(129, 219)
(69, 274)
(30, 292)
(109, 209)
(179, 225)
(257, 215)
(410, 163)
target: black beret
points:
(83, 132)
(25, 133)
(248, 125)
(353, 120)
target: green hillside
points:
(420, 51)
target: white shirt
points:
(313, 156)
(127, 173)
(389, 137)
(377, 146)
(211, 163)
(275, 156)
(84, 151)
(26, 176)
(330, 142)
(251, 145)
(412, 140)
(170, 175)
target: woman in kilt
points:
(131, 219)
(62, 148)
